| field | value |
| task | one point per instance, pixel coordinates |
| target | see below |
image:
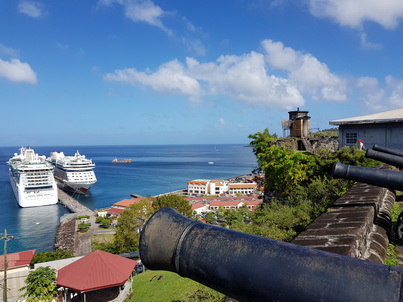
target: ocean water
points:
(155, 169)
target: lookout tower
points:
(299, 124)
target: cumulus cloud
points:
(354, 13)
(148, 12)
(305, 72)
(31, 8)
(17, 71)
(142, 11)
(170, 78)
(381, 96)
(242, 78)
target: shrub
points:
(83, 227)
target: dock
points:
(73, 205)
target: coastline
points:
(67, 236)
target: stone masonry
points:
(357, 225)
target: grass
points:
(100, 241)
(166, 286)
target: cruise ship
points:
(31, 178)
(74, 173)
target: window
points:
(351, 138)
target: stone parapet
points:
(357, 225)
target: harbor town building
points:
(205, 187)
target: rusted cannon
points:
(377, 177)
(252, 268)
(387, 150)
(386, 158)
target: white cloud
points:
(305, 72)
(354, 13)
(7, 51)
(378, 96)
(170, 78)
(16, 71)
(242, 78)
(142, 11)
(148, 12)
(31, 8)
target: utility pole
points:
(6, 238)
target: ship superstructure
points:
(75, 173)
(31, 178)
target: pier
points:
(73, 205)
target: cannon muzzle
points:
(387, 150)
(252, 268)
(386, 158)
(377, 177)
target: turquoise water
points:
(154, 170)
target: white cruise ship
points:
(75, 173)
(31, 178)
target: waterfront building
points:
(206, 187)
(242, 188)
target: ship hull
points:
(80, 188)
(34, 198)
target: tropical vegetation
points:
(41, 285)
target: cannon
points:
(377, 177)
(387, 150)
(252, 268)
(387, 158)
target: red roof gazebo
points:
(97, 270)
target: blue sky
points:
(184, 72)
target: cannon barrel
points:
(386, 158)
(377, 177)
(387, 150)
(252, 268)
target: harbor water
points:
(155, 169)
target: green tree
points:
(51, 256)
(41, 285)
(129, 225)
(173, 201)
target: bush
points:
(50, 256)
(83, 227)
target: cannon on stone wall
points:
(252, 268)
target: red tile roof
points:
(128, 202)
(116, 211)
(242, 186)
(96, 270)
(17, 259)
(227, 203)
(198, 205)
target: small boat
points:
(117, 161)
(211, 163)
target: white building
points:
(205, 187)
(242, 188)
